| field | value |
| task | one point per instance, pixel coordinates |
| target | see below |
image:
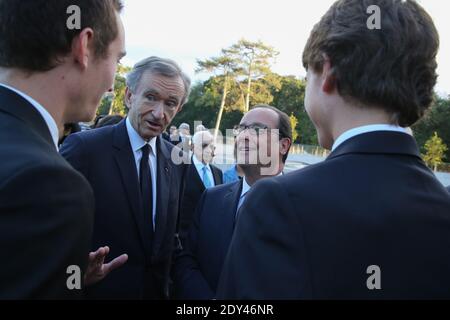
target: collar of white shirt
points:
(136, 140)
(51, 123)
(366, 129)
(246, 187)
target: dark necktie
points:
(146, 188)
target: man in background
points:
(201, 175)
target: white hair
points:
(201, 137)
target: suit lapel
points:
(124, 157)
(216, 175)
(164, 171)
(193, 173)
(230, 203)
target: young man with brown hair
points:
(50, 75)
(372, 221)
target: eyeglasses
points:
(255, 128)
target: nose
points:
(158, 111)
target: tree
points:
(437, 120)
(294, 123)
(289, 97)
(254, 59)
(225, 69)
(118, 103)
(435, 149)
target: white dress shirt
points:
(199, 167)
(137, 143)
(366, 129)
(51, 123)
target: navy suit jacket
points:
(314, 233)
(197, 268)
(194, 189)
(104, 156)
(46, 208)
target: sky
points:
(198, 29)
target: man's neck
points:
(254, 175)
(346, 118)
(40, 87)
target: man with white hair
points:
(200, 176)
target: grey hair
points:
(202, 136)
(160, 66)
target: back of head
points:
(34, 34)
(393, 67)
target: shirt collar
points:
(198, 164)
(136, 140)
(51, 123)
(366, 129)
(246, 187)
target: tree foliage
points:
(435, 149)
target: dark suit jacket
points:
(197, 268)
(194, 189)
(313, 233)
(46, 208)
(106, 159)
(448, 188)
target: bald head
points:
(203, 146)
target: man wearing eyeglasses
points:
(200, 175)
(264, 138)
(136, 184)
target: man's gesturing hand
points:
(97, 270)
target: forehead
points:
(165, 86)
(260, 115)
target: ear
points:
(285, 145)
(82, 48)
(128, 95)
(328, 77)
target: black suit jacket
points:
(198, 266)
(46, 208)
(314, 233)
(194, 189)
(448, 188)
(104, 156)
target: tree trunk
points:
(247, 98)
(222, 107)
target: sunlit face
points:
(154, 104)
(254, 142)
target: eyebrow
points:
(157, 93)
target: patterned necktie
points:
(205, 178)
